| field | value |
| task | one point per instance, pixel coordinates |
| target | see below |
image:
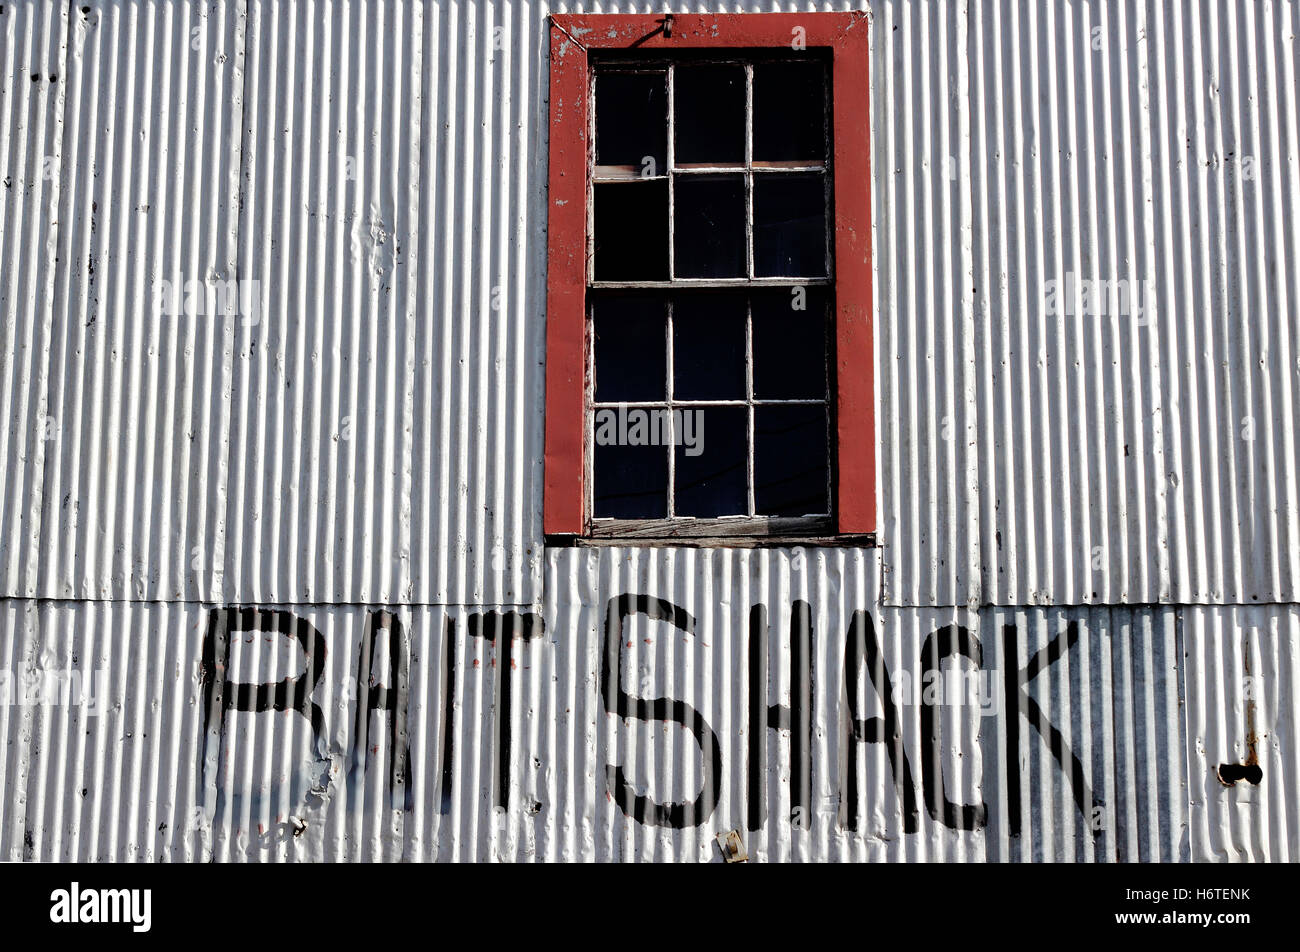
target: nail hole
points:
(1231, 773)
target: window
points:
(709, 340)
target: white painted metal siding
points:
(133, 495)
(1144, 458)
(519, 746)
(927, 418)
(1120, 486)
(33, 39)
(377, 434)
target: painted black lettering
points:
(643, 809)
(756, 729)
(448, 705)
(502, 628)
(797, 718)
(939, 644)
(288, 694)
(862, 650)
(389, 696)
(1018, 702)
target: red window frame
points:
(572, 36)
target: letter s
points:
(617, 701)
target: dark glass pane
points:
(789, 112)
(709, 114)
(790, 460)
(630, 482)
(790, 345)
(709, 226)
(709, 347)
(710, 461)
(630, 344)
(631, 231)
(632, 120)
(789, 226)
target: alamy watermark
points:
(240, 298)
(65, 687)
(1100, 297)
(653, 426)
(76, 905)
(956, 688)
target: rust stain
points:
(1252, 739)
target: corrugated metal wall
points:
(365, 434)
(1101, 506)
(33, 41)
(1242, 669)
(925, 315)
(1037, 457)
(135, 478)
(1149, 456)
(373, 414)
(662, 696)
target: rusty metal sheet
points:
(1242, 668)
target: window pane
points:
(709, 114)
(631, 230)
(710, 462)
(629, 338)
(632, 120)
(709, 222)
(709, 347)
(790, 460)
(709, 226)
(789, 112)
(789, 225)
(631, 482)
(790, 345)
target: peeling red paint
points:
(563, 493)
